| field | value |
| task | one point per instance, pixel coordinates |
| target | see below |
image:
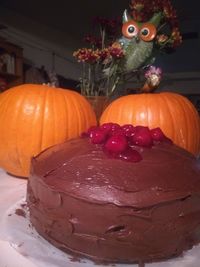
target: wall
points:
(39, 43)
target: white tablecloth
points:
(22, 247)
(11, 190)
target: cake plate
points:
(21, 246)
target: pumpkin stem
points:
(50, 84)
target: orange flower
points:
(116, 51)
(176, 37)
(161, 38)
(87, 55)
(138, 5)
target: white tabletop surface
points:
(11, 190)
(21, 248)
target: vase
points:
(98, 103)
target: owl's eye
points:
(148, 32)
(130, 29)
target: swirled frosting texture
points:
(112, 210)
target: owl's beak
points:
(137, 39)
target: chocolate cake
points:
(105, 208)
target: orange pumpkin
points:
(173, 113)
(34, 117)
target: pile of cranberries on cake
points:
(120, 141)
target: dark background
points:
(72, 20)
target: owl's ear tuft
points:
(126, 17)
(156, 19)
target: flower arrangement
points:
(126, 49)
(95, 59)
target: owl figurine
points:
(137, 42)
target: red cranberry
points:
(140, 128)
(116, 143)
(117, 131)
(87, 134)
(130, 155)
(110, 127)
(158, 135)
(92, 128)
(97, 136)
(128, 129)
(142, 137)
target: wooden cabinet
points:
(11, 64)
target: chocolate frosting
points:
(108, 209)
